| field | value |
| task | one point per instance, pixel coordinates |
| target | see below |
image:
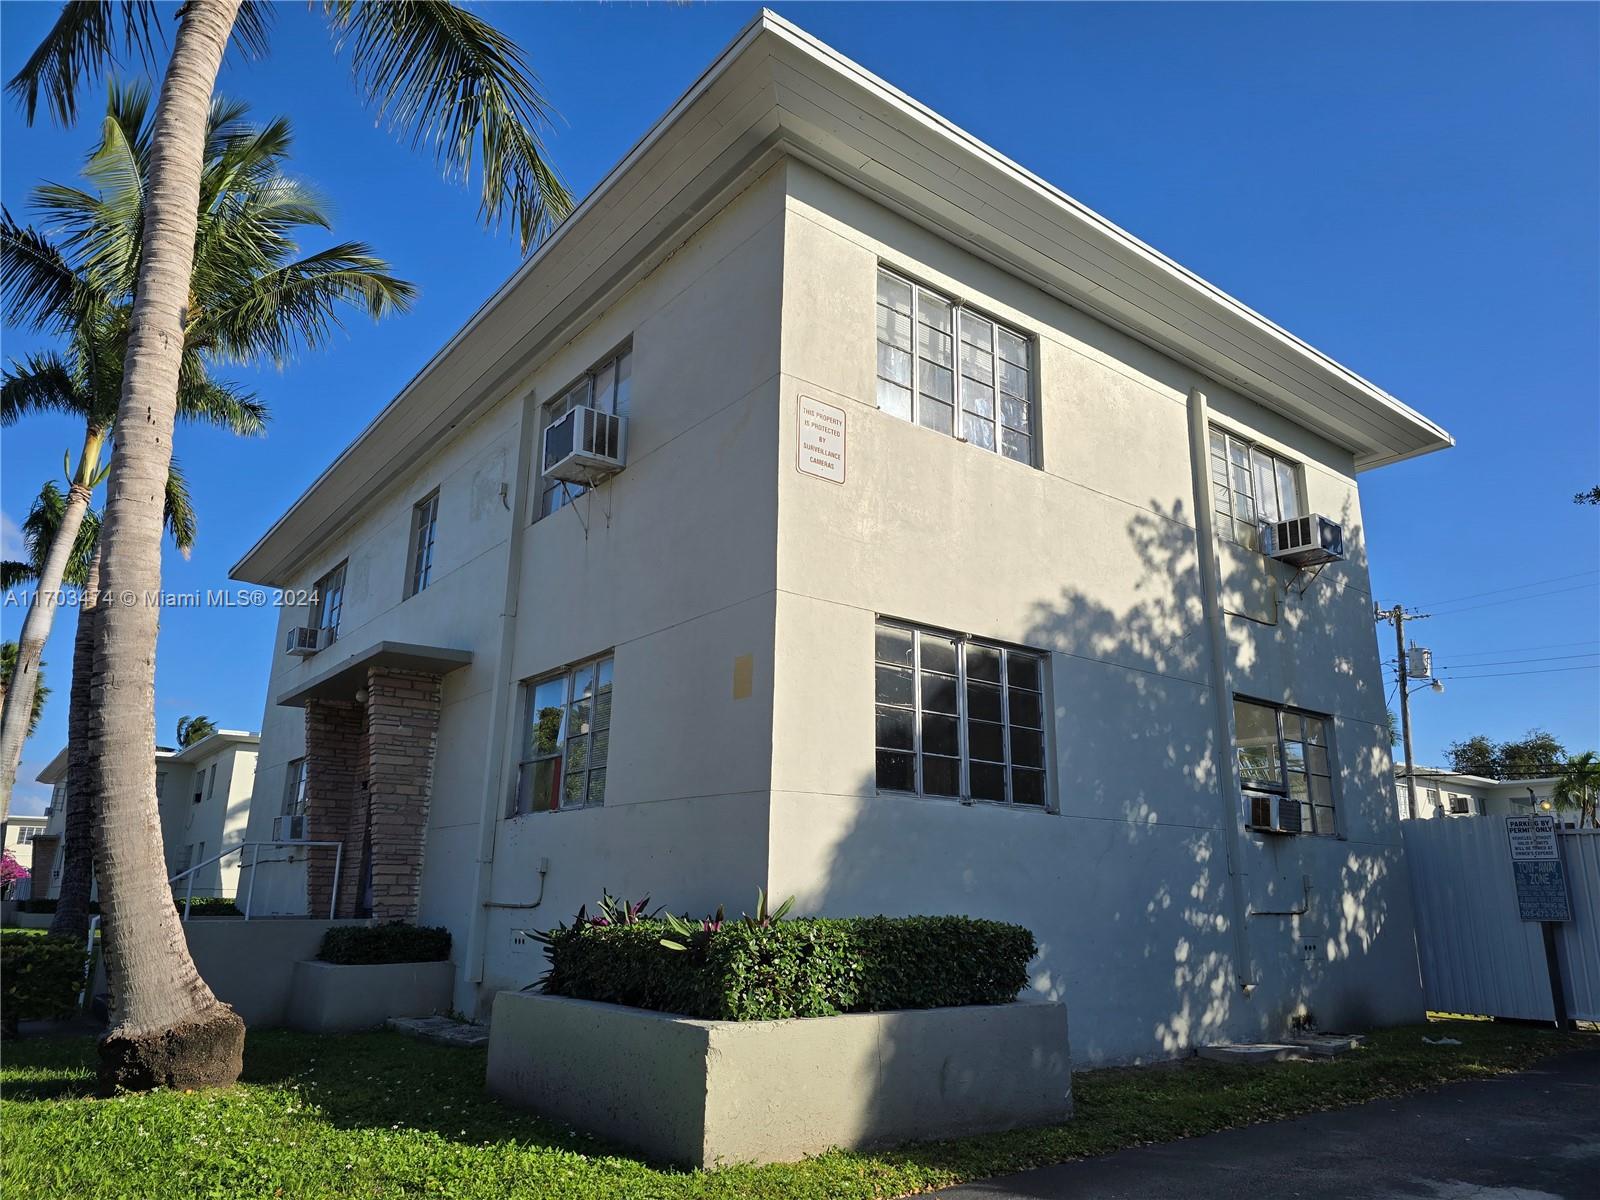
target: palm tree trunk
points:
(36, 625)
(83, 774)
(168, 1029)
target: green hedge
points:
(40, 976)
(396, 942)
(813, 967)
(210, 906)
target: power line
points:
(1516, 599)
(1514, 588)
(1503, 674)
(1520, 649)
(1508, 662)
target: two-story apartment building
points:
(932, 581)
(203, 794)
(1445, 793)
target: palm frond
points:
(298, 304)
(38, 285)
(209, 402)
(81, 44)
(43, 522)
(177, 512)
(458, 84)
(14, 574)
(42, 383)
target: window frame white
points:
(959, 409)
(1283, 786)
(964, 718)
(329, 591)
(1243, 531)
(292, 811)
(601, 672)
(551, 496)
(424, 534)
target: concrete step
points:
(444, 1030)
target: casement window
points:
(292, 821)
(330, 601)
(1430, 799)
(606, 387)
(567, 738)
(945, 367)
(211, 781)
(25, 836)
(958, 717)
(1285, 752)
(1251, 485)
(424, 524)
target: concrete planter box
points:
(713, 1092)
(332, 998)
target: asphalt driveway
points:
(1529, 1136)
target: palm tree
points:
(434, 70)
(192, 729)
(248, 299)
(1578, 786)
(8, 668)
(167, 1026)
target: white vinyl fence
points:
(1477, 955)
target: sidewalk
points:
(1530, 1136)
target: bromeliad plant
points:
(683, 929)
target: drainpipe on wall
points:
(1230, 789)
(502, 698)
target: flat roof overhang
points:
(340, 680)
(777, 91)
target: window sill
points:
(555, 812)
(892, 793)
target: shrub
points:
(812, 967)
(396, 942)
(40, 976)
(210, 906)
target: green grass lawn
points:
(381, 1115)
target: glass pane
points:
(935, 310)
(624, 380)
(977, 398)
(599, 745)
(1016, 446)
(983, 702)
(578, 718)
(1013, 380)
(577, 787)
(1297, 785)
(597, 787)
(1027, 709)
(895, 728)
(1322, 821)
(988, 781)
(976, 330)
(940, 735)
(977, 431)
(1288, 492)
(1016, 414)
(934, 380)
(894, 686)
(891, 644)
(1027, 748)
(897, 772)
(1315, 732)
(544, 785)
(1317, 760)
(941, 776)
(1294, 755)
(938, 654)
(938, 416)
(983, 663)
(938, 693)
(894, 292)
(894, 364)
(894, 328)
(602, 710)
(1219, 444)
(934, 346)
(1027, 786)
(1266, 485)
(1294, 729)
(1014, 349)
(605, 668)
(894, 399)
(976, 363)
(1256, 728)
(986, 741)
(1022, 671)
(577, 753)
(605, 387)
(1321, 790)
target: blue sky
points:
(1414, 189)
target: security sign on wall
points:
(822, 440)
(1537, 870)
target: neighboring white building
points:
(810, 640)
(1441, 792)
(204, 794)
(17, 833)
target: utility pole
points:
(1397, 616)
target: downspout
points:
(1230, 790)
(494, 790)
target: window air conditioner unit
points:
(306, 640)
(289, 828)
(1272, 814)
(584, 446)
(1305, 541)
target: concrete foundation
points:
(706, 1093)
(332, 998)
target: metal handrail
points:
(255, 860)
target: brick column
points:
(402, 733)
(334, 766)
